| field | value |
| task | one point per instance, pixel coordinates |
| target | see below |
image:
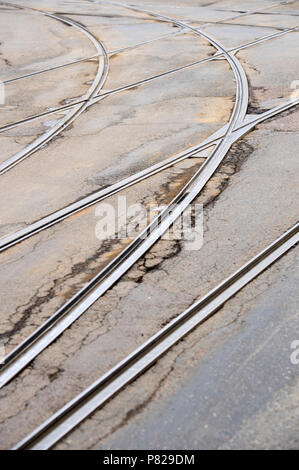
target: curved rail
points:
(23, 354)
(98, 82)
(108, 385)
(98, 393)
(60, 214)
(99, 97)
(241, 104)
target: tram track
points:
(102, 95)
(23, 354)
(78, 108)
(97, 394)
(92, 57)
(132, 366)
(61, 214)
(117, 51)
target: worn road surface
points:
(93, 93)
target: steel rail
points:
(132, 366)
(244, 13)
(191, 190)
(149, 41)
(73, 208)
(102, 95)
(110, 92)
(61, 214)
(95, 56)
(277, 28)
(23, 354)
(50, 69)
(98, 97)
(98, 83)
(117, 51)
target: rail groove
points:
(108, 385)
(98, 83)
(105, 94)
(97, 394)
(61, 214)
(23, 354)
(117, 51)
